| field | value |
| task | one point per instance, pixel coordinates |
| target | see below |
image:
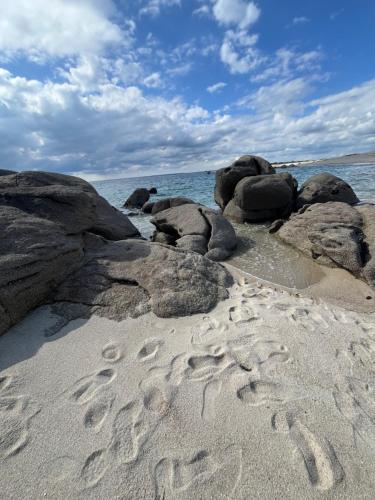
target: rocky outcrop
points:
(336, 235)
(262, 197)
(131, 277)
(6, 172)
(325, 187)
(52, 249)
(198, 229)
(65, 200)
(228, 178)
(138, 198)
(166, 203)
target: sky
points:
(122, 88)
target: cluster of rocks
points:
(62, 242)
(251, 191)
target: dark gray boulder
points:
(166, 203)
(138, 198)
(198, 229)
(147, 207)
(164, 238)
(228, 178)
(261, 198)
(153, 190)
(325, 187)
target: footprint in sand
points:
(205, 366)
(87, 387)
(322, 465)
(150, 349)
(127, 434)
(5, 381)
(260, 392)
(94, 468)
(202, 476)
(242, 314)
(16, 414)
(208, 330)
(306, 317)
(112, 353)
(210, 395)
(98, 411)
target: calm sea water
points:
(259, 253)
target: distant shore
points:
(351, 159)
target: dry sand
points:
(268, 396)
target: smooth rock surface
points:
(138, 198)
(228, 178)
(166, 203)
(325, 187)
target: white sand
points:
(269, 396)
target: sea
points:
(258, 253)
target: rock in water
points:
(166, 203)
(325, 187)
(153, 190)
(228, 178)
(261, 198)
(138, 198)
(198, 229)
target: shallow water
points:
(258, 253)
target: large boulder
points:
(325, 187)
(198, 229)
(166, 203)
(228, 178)
(66, 200)
(331, 233)
(138, 198)
(130, 277)
(261, 198)
(367, 212)
(36, 255)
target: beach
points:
(270, 395)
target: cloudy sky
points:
(117, 88)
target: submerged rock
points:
(325, 187)
(198, 229)
(138, 198)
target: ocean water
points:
(258, 253)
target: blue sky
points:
(116, 88)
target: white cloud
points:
(153, 7)
(238, 52)
(202, 11)
(153, 81)
(300, 20)
(216, 87)
(236, 12)
(57, 28)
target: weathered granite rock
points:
(36, 255)
(164, 238)
(138, 198)
(262, 197)
(197, 229)
(129, 277)
(331, 233)
(67, 200)
(325, 187)
(228, 178)
(367, 212)
(147, 207)
(166, 203)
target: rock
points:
(367, 212)
(147, 207)
(325, 187)
(36, 255)
(261, 198)
(193, 243)
(181, 221)
(6, 172)
(275, 226)
(170, 281)
(331, 233)
(164, 238)
(166, 203)
(153, 190)
(198, 229)
(138, 198)
(228, 178)
(67, 200)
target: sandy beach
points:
(268, 396)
